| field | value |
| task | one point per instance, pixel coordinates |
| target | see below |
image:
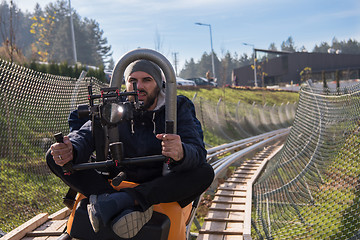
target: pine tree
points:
(288, 45)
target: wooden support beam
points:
(20, 232)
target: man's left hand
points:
(171, 146)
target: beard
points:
(150, 99)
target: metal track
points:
(230, 211)
(220, 160)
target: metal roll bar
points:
(166, 67)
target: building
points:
(285, 67)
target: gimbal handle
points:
(68, 167)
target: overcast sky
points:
(129, 24)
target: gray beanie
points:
(145, 66)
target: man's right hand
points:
(62, 152)
(171, 146)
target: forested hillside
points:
(44, 35)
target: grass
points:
(232, 95)
(335, 212)
(27, 190)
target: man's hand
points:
(62, 152)
(171, 146)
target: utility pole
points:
(255, 74)
(175, 62)
(11, 32)
(72, 34)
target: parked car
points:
(200, 81)
(184, 82)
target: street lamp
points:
(255, 77)
(212, 50)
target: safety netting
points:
(34, 106)
(224, 122)
(311, 189)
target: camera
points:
(114, 106)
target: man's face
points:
(147, 87)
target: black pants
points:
(182, 187)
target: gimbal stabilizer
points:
(112, 110)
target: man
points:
(189, 175)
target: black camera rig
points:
(114, 106)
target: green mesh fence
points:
(33, 107)
(311, 189)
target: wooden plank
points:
(235, 226)
(52, 226)
(242, 175)
(222, 198)
(239, 199)
(218, 214)
(237, 215)
(250, 168)
(43, 233)
(251, 164)
(41, 238)
(242, 179)
(212, 237)
(30, 225)
(220, 205)
(229, 196)
(226, 193)
(214, 226)
(255, 160)
(223, 219)
(50, 230)
(229, 202)
(227, 209)
(61, 214)
(222, 232)
(233, 237)
(236, 180)
(245, 171)
(233, 185)
(240, 189)
(237, 207)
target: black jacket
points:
(139, 140)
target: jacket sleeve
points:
(75, 122)
(83, 143)
(189, 129)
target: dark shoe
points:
(130, 222)
(103, 208)
(94, 211)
